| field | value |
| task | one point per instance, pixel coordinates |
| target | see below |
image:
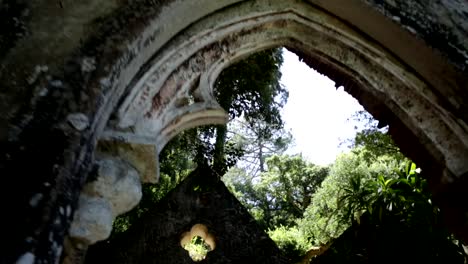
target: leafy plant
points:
(290, 241)
(197, 248)
(281, 194)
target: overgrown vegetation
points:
(370, 201)
(197, 248)
(374, 191)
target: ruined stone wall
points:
(201, 199)
(66, 66)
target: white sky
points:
(316, 113)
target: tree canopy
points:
(280, 195)
(369, 201)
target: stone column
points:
(114, 188)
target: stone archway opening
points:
(380, 81)
(174, 91)
(157, 80)
(196, 245)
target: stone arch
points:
(150, 81)
(190, 67)
(174, 91)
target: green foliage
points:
(338, 198)
(290, 241)
(281, 194)
(379, 201)
(376, 144)
(392, 211)
(249, 89)
(375, 140)
(258, 141)
(197, 248)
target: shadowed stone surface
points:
(200, 199)
(442, 24)
(366, 243)
(116, 190)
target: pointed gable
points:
(200, 199)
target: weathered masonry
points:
(91, 91)
(201, 200)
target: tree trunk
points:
(261, 158)
(219, 162)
